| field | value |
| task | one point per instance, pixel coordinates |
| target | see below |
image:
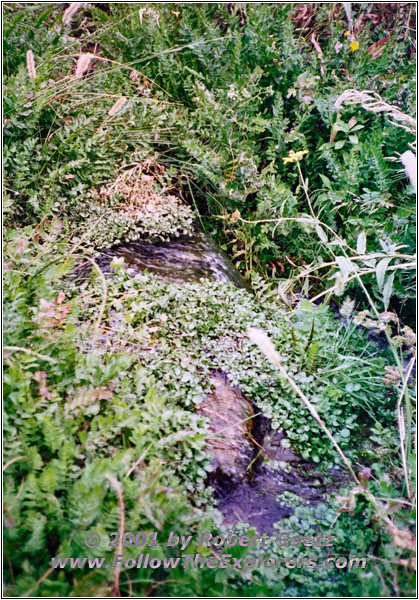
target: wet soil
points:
(252, 466)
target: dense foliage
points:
(98, 379)
(219, 96)
(131, 120)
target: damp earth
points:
(252, 466)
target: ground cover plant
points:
(134, 120)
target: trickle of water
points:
(187, 258)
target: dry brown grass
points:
(135, 189)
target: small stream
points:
(186, 258)
(250, 467)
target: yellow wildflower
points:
(294, 156)
(347, 33)
(354, 45)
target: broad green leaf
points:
(306, 306)
(340, 144)
(357, 128)
(353, 139)
(340, 126)
(326, 181)
(326, 146)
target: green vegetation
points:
(133, 121)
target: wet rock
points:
(273, 448)
(231, 418)
(252, 465)
(253, 503)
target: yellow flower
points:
(347, 33)
(294, 156)
(354, 46)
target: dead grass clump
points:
(135, 191)
(136, 205)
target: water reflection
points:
(187, 258)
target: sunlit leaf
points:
(387, 290)
(361, 242)
(380, 271)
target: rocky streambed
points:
(252, 464)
